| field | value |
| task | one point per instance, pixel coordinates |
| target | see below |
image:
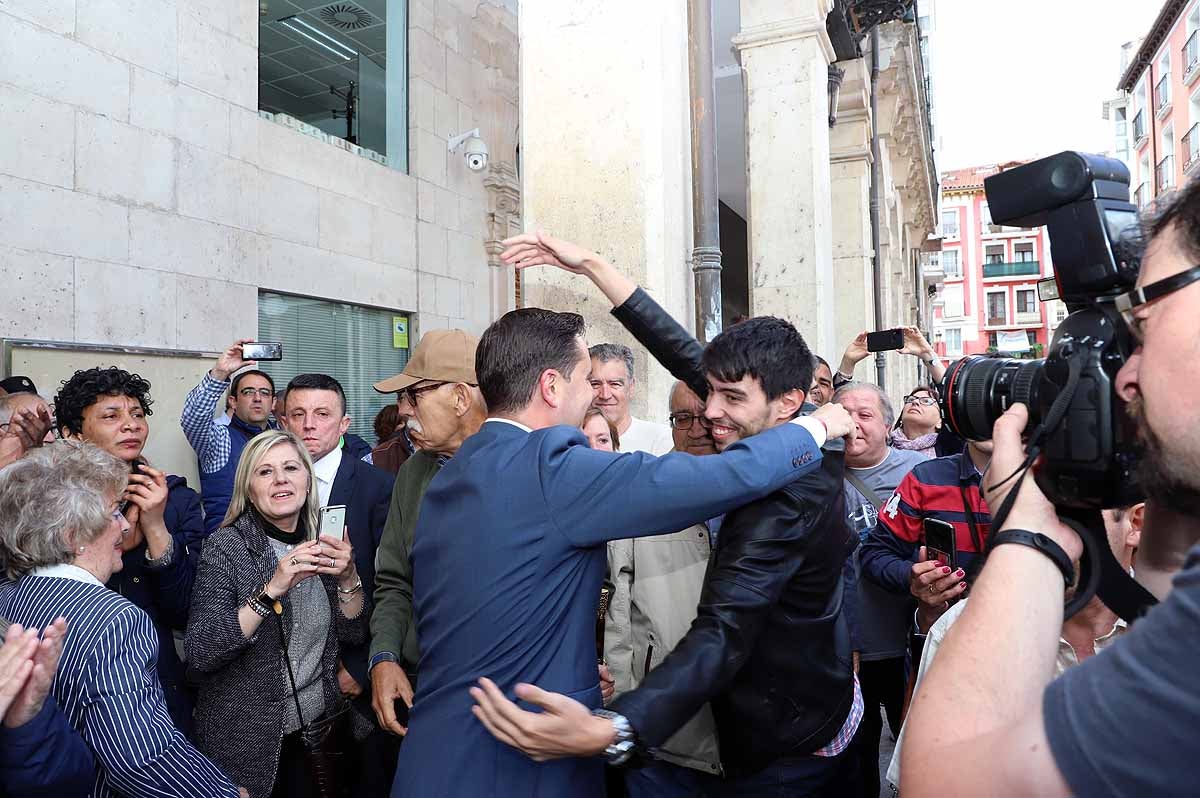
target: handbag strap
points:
(288, 664)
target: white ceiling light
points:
(325, 41)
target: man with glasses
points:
(439, 396)
(658, 582)
(219, 445)
(1122, 723)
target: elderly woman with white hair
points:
(60, 541)
(265, 635)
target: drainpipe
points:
(876, 265)
(706, 231)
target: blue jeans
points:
(665, 780)
(801, 777)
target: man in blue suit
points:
(315, 410)
(509, 551)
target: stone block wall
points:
(144, 201)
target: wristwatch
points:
(265, 604)
(621, 749)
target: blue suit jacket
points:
(507, 559)
(367, 492)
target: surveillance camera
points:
(477, 154)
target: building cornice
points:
(786, 30)
(1154, 38)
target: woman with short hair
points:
(60, 542)
(254, 597)
(919, 422)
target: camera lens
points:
(977, 390)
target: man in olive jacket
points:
(439, 393)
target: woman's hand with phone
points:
(934, 585)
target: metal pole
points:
(876, 265)
(706, 231)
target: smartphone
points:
(261, 351)
(333, 521)
(885, 340)
(939, 542)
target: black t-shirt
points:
(1127, 721)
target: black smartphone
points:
(885, 340)
(262, 351)
(939, 542)
(401, 712)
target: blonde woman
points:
(255, 595)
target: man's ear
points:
(549, 387)
(344, 425)
(1137, 519)
(462, 399)
(789, 404)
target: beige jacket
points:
(658, 582)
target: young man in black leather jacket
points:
(769, 649)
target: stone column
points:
(503, 220)
(605, 158)
(850, 178)
(785, 55)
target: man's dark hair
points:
(515, 350)
(315, 382)
(233, 389)
(823, 362)
(766, 348)
(88, 385)
(1180, 208)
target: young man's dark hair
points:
(233, 389)
(317, 382)
(767, 348)
(1180, 208)
(823, 362)
(85, 386)
(518, 347)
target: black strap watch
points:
(1036, 540)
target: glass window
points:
(1023, 252)
(1026, 301)
(993, 254)
(997, 309)
(951, 263)
(953, 341)
(952, 301)
(355, 345)
(340, 67)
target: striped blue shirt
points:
(108, 689)
(208, 438)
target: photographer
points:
(1122, 723)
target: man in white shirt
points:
(612, 380)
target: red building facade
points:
(987, 293)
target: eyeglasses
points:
(924, 401)
(1128, 303)
(411, 394)
(682, 421)
(248, 392)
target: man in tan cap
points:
(439, 394)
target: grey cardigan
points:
(240, 707)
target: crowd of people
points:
(531, 583)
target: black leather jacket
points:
(769, 649)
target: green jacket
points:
(393, 627)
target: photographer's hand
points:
(1031, 510)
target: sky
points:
(1027, 78)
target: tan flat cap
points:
(440, 356)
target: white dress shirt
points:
(325, 470)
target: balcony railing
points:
(1018, 268)
(1191, 55)
(1139, 127)
(1164, 173)
(1162, 93)
(1191, 147)
(950, 230)
(1142, 195)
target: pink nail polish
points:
(946, 570)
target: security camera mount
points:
(455, 142)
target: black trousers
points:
(883, 683)
(293, 780)
(371, 764)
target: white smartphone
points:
(333, 521)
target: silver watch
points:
(622, 748)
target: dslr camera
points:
(1086, 438)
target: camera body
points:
(1087, 439)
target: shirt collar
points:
(67, 571)
(967, 472)
(516, 424)
(326, 468)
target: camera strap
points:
(976, 538)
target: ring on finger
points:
(294, 562)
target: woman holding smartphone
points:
(255, 598)
(110, 408)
